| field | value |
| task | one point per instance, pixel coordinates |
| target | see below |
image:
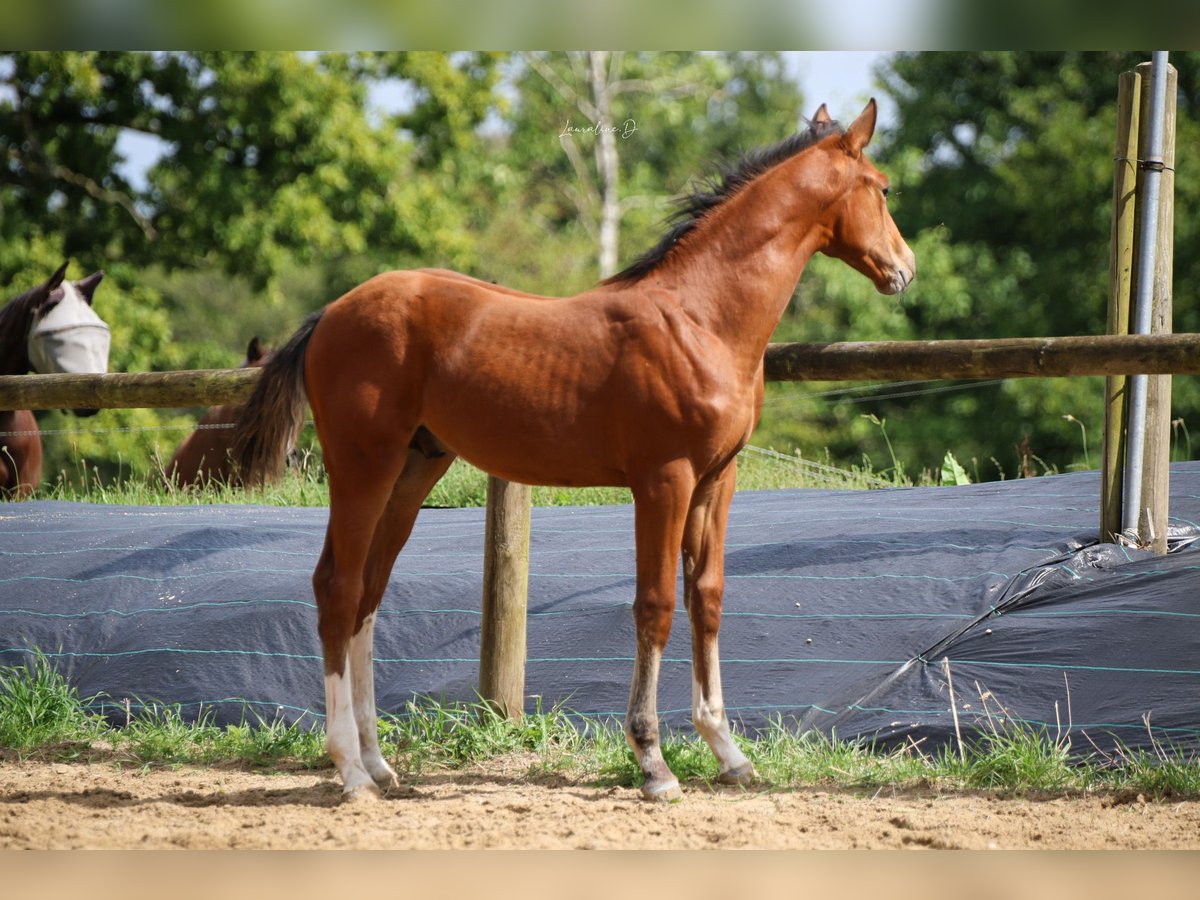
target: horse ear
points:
(44, 289)
(254, 351)
(858, 135)
(821, 116)
(56, 279)
(87, 286)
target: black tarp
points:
(840, 609)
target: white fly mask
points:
(68, 336)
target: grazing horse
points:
(49, 328)
(203, 457)
(652, 379)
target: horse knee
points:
(641, 729)
(704, 601)
(337, 613)
(652, 613)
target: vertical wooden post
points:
(1120, 273)
(505, 594)
(1152, 521)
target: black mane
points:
(731, 177)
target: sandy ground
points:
(57, 805)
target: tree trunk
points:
(607, 163)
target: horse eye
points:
(886, 191)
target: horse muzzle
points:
(901, 274)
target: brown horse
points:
(204, 455)
(49, 328)
(653, 379)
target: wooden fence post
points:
(1133, 108)
(1120, 273)
(505, 594)
(1152, 521)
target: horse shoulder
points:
(675, 364)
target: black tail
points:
(270, 422)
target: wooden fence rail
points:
(843, 361)
(506, 558)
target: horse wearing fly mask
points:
(49, 328)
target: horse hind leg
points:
(360, 482)
(427, 462)
(704, 582)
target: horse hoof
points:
(363, 793)
(388, 783)
(742, 776)
(662, 791)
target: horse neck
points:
(740, 268)
(14, 333)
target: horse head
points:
(862, 232)
(65, 333)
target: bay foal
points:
(652, 379)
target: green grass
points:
(42, 717)
(463, 485)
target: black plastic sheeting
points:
(841, 609)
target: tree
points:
(269, 156)
(606, 138)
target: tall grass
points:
(43, 717)
(463, 485)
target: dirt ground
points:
(57, 805)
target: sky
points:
(840, 78)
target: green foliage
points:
(953, 472)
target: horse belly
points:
(581, 425)
(545, 415)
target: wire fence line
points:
(127, 429)
(842, 393)
(846, 394)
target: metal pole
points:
(1152, 165)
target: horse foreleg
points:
(421, 472)
(703, 586)
(660, 508)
